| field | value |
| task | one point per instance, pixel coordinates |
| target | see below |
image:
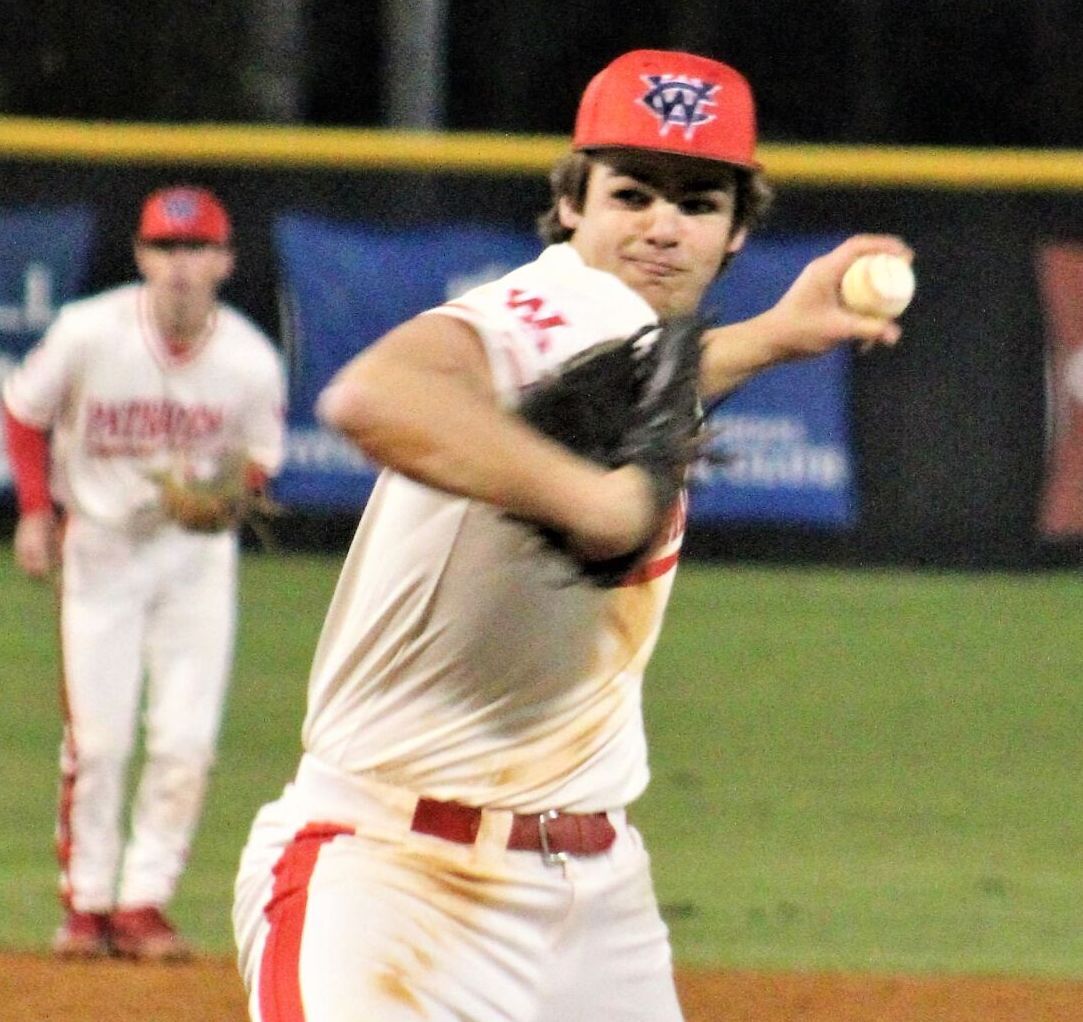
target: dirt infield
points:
(34, 988)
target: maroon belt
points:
(556, 835)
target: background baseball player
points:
(454, 845)
(152, 392)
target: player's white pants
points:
(342, 914)
(163, 608)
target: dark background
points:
(949, 428)
(969, 72)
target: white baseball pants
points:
(163, 608)
(343, 914)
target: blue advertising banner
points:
(784, 436)
(783, 439)
(348, 284)
(44, 254)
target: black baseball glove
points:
(630, 401)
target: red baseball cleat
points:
(82, 935)
(145, 934)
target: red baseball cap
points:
(184, 214)
(670, 102)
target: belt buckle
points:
(549, 857)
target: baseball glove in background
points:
(220, 501)
(631, 401)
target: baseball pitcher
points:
(455, 844)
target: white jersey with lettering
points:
(456, 661)
(122, 406)
(147, 609)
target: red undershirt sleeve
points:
(28, 455)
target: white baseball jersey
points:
(141, 597)
(458, 658)
(122, 405)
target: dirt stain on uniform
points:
(394, 984)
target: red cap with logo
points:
(184, 214)
(670, 102)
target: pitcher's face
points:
(659, 224)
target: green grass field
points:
(880, 771)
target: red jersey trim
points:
(651, 570)
(166, 352)
(672, 532)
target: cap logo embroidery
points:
(181, 208)
(677, 100)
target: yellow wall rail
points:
(476, 152)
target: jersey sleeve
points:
(512, 361)
(539, 315)
(264, 423)
(35, 391)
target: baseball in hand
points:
(879, 284)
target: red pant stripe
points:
(279, 974)
(64, 840)
(65, 803)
